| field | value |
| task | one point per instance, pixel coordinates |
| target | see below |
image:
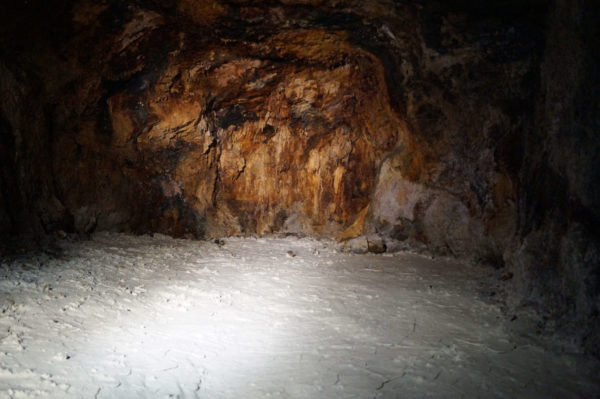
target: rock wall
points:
(467, 92)
(556, 256)
(27, 203)
(457, 126)
(164, 121)
(214, 118)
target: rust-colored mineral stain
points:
(266, 143)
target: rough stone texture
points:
(218, 118)
(556, 256)
(464, 127)
(240, 128)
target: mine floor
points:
(153, 317)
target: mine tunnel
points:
(299, 199)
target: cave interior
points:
(457, 129)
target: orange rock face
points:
(264, 146)
(211, 117)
